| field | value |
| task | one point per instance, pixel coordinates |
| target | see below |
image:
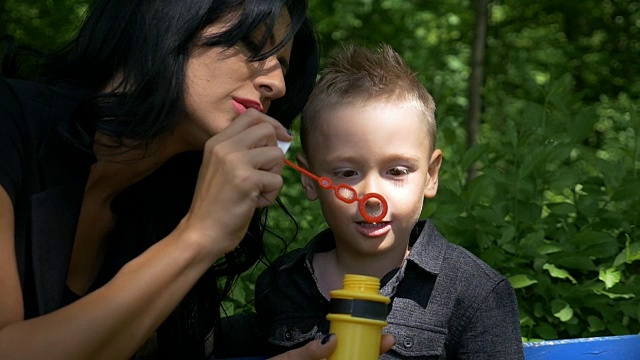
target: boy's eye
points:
(398, 171)
(345, 173)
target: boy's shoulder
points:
(472, 264)
(436, 254)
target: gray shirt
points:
(446, 302)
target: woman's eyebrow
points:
(285, 64)
(283, 61)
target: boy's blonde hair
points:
(355, 76)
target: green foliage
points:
(42, 24)
(554, 206)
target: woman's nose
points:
(270, 82)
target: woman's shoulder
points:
(23, 92)
(36, 108)
(31, 96)
(24, 103)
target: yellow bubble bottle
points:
(357, 314)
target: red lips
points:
(241, 105)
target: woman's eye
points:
(398, 171)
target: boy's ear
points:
(309, 185)
(431, 187)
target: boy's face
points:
(380, 147)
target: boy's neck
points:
(330, 267)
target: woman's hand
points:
(240, 171)
(320, 349)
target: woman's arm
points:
(240, 171)
(111, 322)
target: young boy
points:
(371, 125)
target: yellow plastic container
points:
(357, 315)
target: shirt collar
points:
(427, 247)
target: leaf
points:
(521, 281)
(508, 233)
(575, 260)
(633, 252)
(610, 277)
(613, 295)
(595, 324)
(562, 209)
(428, 209)
(627, 190)
(472, 155)
(588, 205)
(630, 253)
(589, 237)
(583, 124)
(532, 161)
(495, 174)
(565, 177)
(481, 190)
(596, 244)
(562, 310)
(527, 212)
(558, 273)
(549, 249)
(532, 115)
(527, 321)
(546, 331)
(530, 243)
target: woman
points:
(133, 172)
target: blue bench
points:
(601, 348)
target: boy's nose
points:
(372, 203)
(373, 207)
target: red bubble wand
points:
(349, 195)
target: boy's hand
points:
(317, 350)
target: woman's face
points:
(221, 83)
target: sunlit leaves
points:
(521, 281)
(610, 277)
(558, 273)
(562, 310)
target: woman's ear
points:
(431, 187)
(308, 184)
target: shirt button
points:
(407, 342)
(287, 335)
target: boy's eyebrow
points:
(359, 159)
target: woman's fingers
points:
(386, 343)
(249, 119)
(240, 171)
(314, 350)
(322, 348)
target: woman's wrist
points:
(201, 247)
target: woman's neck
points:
(117, 168)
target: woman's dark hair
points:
(145, 45)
